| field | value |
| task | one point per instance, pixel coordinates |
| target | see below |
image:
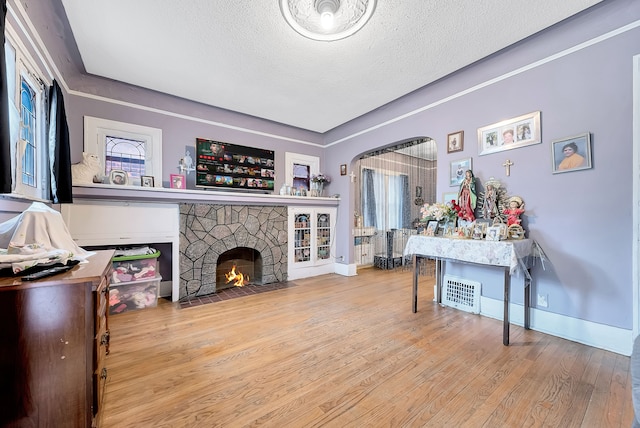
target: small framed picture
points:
(572, 153)
(343, 169)
(146, 181)
(449, 196)
(479, 230)
(177, 181)
(457, 170)
(484, 223)
(432, 228)
(118, 177)
(455, 142)
(493, 233)
(504, 231)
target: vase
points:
(317, 187)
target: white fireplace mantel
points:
(160, 194)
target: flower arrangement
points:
(438, 211)
(320, 178)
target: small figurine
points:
(514, 210)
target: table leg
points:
(416, 270)
(505, 325)
(527, 302)
(438, 281)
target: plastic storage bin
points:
(128, 296)
(134, 268)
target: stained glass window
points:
(126, 155)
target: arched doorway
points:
(395, 182)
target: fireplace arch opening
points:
(243, 261)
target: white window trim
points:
(25, 67)
(296, 158)
(96, 129)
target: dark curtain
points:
(369, 202)
(5, 141)
(59, 149)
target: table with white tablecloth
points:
(509, 255)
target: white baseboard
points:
(346, 270)
(309, 271)
(601, 336)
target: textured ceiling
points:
(241, 55)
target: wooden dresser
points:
(54, 337)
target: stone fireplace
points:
(221, 235)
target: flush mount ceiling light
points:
(327, 19)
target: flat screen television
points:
(230, 166)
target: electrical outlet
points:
(340, 258)
(543, 300)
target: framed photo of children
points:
(571, 154)
(510, 134)
(457, 170)
(455, 142)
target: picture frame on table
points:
(493, 233)
(432, 228)
(479, 230)
(484, 223)
(510, 134)
(118, 177)
(147, 181)
(504, 231)
(455, 142)
(177, 181)
(571, 153)
(457, 169)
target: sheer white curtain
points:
(385, 205)
(398, 207)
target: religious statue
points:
(467, 196)
(490, 199)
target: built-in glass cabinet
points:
(311, 246)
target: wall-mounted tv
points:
(230, 166)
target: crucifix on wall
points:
(507, 167)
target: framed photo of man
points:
(455, 142)
(571, 154)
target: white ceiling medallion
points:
(327, 20)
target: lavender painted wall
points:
(589, 90)
(582, 219)
(181, 121)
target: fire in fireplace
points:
(237, 278)
(238, 267)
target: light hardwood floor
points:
(348, 352)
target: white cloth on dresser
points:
(37, 236)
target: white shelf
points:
(161, 194)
